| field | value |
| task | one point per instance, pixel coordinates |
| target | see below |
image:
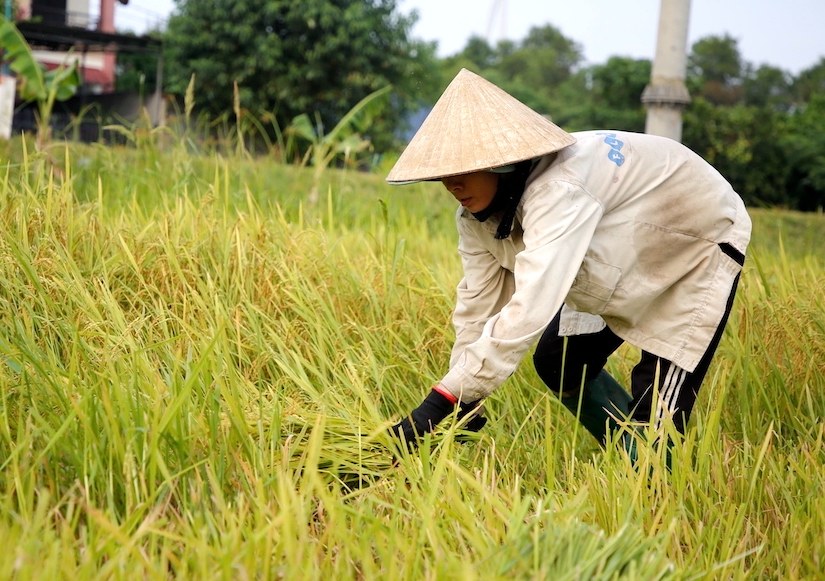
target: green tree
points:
(288, 58)
(543, 60)
(810, 82)
(758, 126)
(533, 70)
(479, 52)
(137, 70)
(619, 83)
(768, 86)
(617, 89)
(743, 144)
(604, 96)
(715, 70)
(804, 145)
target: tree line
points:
(759, 125)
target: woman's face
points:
(474, 190)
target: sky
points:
(782, 33)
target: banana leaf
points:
(35, 84)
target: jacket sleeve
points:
(485, 288)
(559, 219)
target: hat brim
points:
(475, 126)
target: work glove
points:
(435, 407)
(477, 421)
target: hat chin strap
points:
(504, 168)
(497, 204)
(508, 195)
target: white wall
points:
(78, 13)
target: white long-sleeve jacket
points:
(621, 229)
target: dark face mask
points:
(508, 195)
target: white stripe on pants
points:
(669, 393)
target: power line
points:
(498, 13)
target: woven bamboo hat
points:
(475, 126)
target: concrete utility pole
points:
(666, 96)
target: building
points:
(42, 21)
(83, 31)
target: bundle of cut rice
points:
(342, 452)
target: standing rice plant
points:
(197, 372)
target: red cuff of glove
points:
(443, 391)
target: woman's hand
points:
(435, 407)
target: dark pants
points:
(565, 363)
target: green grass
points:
(194, 364)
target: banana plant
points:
(345, 139)
(34, 83)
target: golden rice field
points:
(197, 369)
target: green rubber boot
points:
(630, 441)
(630, 444)
(603, 401)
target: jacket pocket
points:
(593, 286)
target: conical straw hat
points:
(475, 126)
